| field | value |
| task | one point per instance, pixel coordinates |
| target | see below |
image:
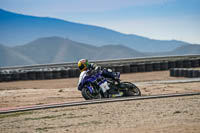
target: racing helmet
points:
(83, 64)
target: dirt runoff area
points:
(167, 115)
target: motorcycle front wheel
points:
(87, 95)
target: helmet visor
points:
(82, 67)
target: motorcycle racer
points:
(84, 65)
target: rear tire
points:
(132, 90)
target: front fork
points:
(93, 89)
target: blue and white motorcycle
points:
(94, 86)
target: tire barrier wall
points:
(6, 76)
(184, 72)
(131, 67)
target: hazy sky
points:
(157, 19)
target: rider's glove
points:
(95, 67)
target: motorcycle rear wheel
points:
(132, 90)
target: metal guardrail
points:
(38, 107)
(104, 62)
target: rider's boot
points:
(117, 95)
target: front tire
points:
(87, 95)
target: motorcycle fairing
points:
(84, 78)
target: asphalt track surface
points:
(99, 101)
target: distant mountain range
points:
(10, 57)
(57, 49)
(18, 29)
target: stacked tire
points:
(182, 72)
